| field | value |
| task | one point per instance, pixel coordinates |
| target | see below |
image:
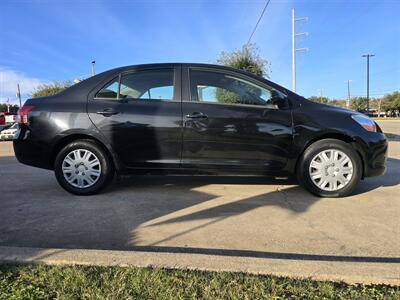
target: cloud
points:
(8, 84)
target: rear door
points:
(230, 123)
(139, 112)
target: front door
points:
(230, 123)
(139, 112)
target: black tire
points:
(303, 174)
(106, 173)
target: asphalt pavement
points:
(237, 224)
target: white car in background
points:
(8, 134)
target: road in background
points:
(390, 126)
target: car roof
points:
(199, 65)
(173, 64)
(90, 83)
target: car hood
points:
(331, 108)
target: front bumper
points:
(374, 154)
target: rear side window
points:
(148, 85)
(141, 85)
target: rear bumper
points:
(31, 152)
(6, 137)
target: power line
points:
(376, 93)
(259, 19)
(386, 71)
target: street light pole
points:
(19, 95)
(368, 56)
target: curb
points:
(348, 272)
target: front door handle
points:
(196, 115)
(107, 112)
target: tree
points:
(319, 99)
(51, 88)
(247, 58)
(391, 103)
(358, 103)
(374, 103)
(338, 103)
(13, 107)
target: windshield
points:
(14, 126)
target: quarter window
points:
(110, 91)
(215, 87)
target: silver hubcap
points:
(331, 170)
(81, 168)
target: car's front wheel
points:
(83, 168)
(330, 168)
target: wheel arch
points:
(338, 136)
(62, 142)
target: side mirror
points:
(278, 98)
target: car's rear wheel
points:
(83, 167)
(330, 168)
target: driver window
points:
(215, 87)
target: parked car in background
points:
(9, 133)
(7, 118)
(3, 127)
(195, 118)
(374, 113)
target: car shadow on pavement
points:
(110, 221)
(390, 178)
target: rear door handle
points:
(107, 112)
(196, 115)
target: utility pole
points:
(8, 104)
(294, 49)
(19, 95)
(348, 94)
(321, 95)
(93, 62)
(379, 107)
(368, 56)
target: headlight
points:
(365, 122)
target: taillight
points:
(23, 114)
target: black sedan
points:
(196, 119)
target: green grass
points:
(87, 282)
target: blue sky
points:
(45, 40)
